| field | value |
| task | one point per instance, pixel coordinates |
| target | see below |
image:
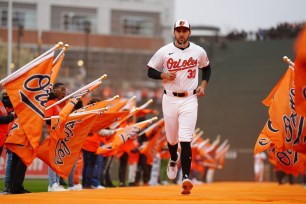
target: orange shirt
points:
(92, 142)
(55, 110)
(3, 127)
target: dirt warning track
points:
(219, 192)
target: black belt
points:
(182, 94)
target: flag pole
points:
(90, 105)
(202, 144)
(57, 46)
(151, 120)
(81, 89)
(288, 61)
(151, 127)
(146, 104)
(64, 49)
(98, 111)
(117, 123)
(128, 103)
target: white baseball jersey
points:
(180, 113)
(184, 62)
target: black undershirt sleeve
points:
(6, 119)
(206, 71)
(48, 122)
(153, 73)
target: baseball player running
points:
(177, 64)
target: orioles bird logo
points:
(182, 23)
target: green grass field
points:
(33, 185)
(38, 185)
(41, 185)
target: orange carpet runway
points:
(219, 192)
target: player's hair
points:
(56, 85)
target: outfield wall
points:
(243, 74)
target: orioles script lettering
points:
(36, 85)
(62, 149)
(181, 64)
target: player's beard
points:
(182, 42)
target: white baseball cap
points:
(182, 23)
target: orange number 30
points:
(192, 73)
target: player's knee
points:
(172, 142)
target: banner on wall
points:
(38, 169)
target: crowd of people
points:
(281, 31)
(139, 157)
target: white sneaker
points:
(172, 168)
(186, 186)
(93, 187)
(56, 188)
(77, 187)
(100, 187)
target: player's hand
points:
(169, 76)
(200, 91)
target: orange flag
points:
(146, 111)
(107, 118)
(300, 73)
(290, 161)
(28, 93)
(99, 105)
(117, 105)
(271, 156)
(123, 134)
(61, 154)
(283, 113)
(222, 149)
(269, 137)
(221, 158)
(152, 129)
(57, 124)
(55, 69)
(282, 109)
(18, 143)
(285, 129)
(269, 98)
(279, 124)
(130, 104)
(150, 148)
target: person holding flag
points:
(6, 116)
(27, 89)
(58, 92)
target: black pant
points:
(143, 170)
(18, 170)
(106, 172)
(280, 175)
(122, 168)
(1, 149)
(89, 159)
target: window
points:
(77, 22)
(137, 25)
(24, 17)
